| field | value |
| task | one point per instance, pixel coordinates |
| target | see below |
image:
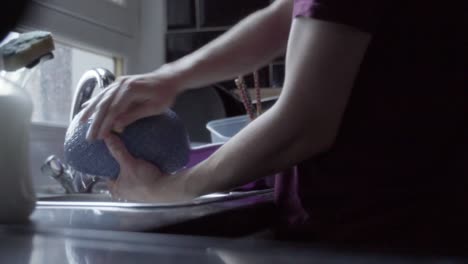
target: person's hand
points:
(141, 181)
(128, 99)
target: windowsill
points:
(48, 125)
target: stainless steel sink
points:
(105, 200)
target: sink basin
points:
(105, 200)
(218, 214)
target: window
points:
(52, 85)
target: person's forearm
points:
(261, 149)
(305, 120)
(253, 42)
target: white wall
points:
(151, 49)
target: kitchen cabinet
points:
(215, 13)
(181, 44)
(180, 14)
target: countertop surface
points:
(88, 235)
(91, 235)
(53, 246)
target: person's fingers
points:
(114, 189)
(85, 104)
(120, 104)
(129, 117)
(88, 110)
(111, 186)
(105, 126)
(92, 103)
(132, 92)
(114, 110)
(120, 153)
(101, 111)
(89, 107)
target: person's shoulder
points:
(364, 15)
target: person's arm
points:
(322, 61)
(252, 43)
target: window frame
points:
(91, 25)
(97, 26)
(138, 48)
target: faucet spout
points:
(73, 181)
(92, 79)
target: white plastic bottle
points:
(17, 197)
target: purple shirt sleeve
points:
(303, 8)
(362, 14)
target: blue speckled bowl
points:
(161, 140)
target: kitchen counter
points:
(35, 245)
(101, 235)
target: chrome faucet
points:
(92, 79)
(71, 180)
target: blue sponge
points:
(161, 140)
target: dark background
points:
(190, 25)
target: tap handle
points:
(52, 167)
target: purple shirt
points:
(398, 171)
